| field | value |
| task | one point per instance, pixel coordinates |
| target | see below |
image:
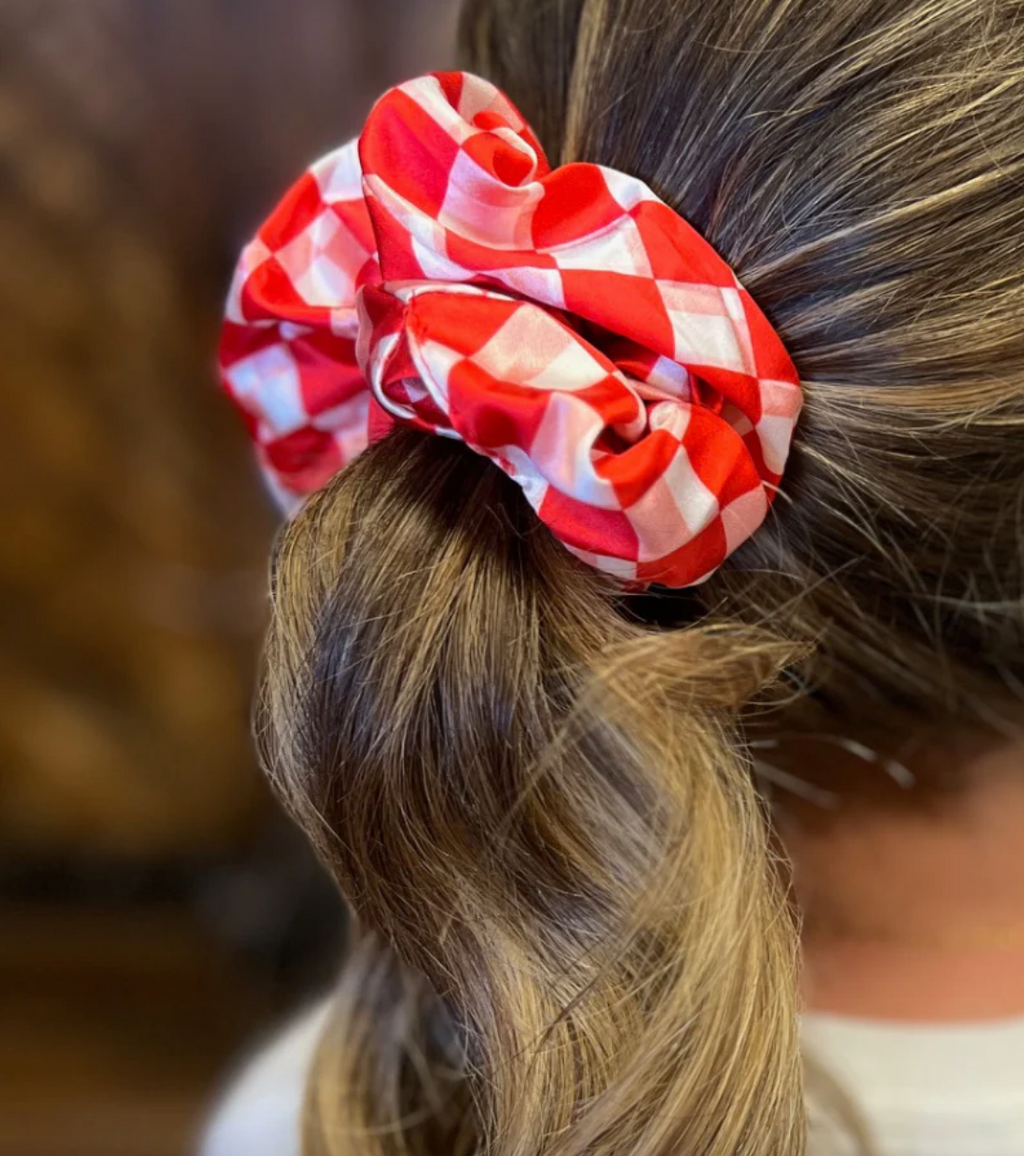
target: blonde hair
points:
(570, 928)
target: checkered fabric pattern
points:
(565, 323)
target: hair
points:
(571, 926)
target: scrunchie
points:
(565, 323)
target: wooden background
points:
(153, 909)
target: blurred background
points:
(157, 915)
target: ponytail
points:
(568, 919)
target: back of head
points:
(533, 790)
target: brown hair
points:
(571, 934)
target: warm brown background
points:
(154, 911)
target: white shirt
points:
(923, 1090)
(926, 1089)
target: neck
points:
(915, 913)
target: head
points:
(535, 792)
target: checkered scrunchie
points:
(565, 323)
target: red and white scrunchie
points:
(565, 323)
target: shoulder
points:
(259, 1114)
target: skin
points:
(914, 909)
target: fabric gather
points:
(566, 323)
